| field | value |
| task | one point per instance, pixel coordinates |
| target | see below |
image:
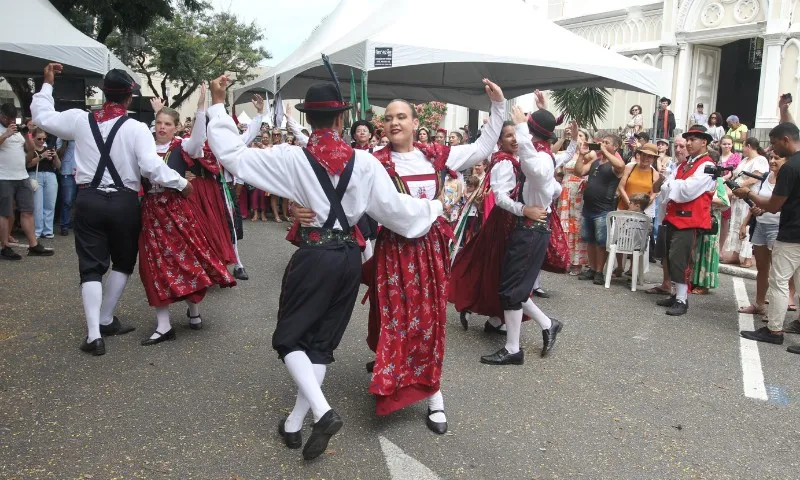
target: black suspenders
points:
(105, 153)
(334, 195)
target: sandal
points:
(792, 308)
(699, 291)
(753, 310)
(658, 290)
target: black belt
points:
(322, 237)
(539, 225)
(105, 188)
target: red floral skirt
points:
(209, 208)
(176, 260)
(475, 276)
(407, 281)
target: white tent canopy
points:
(442, 54)
(35, 33)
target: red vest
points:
(693, 214)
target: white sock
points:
(163, 326)
(494, 321)
(368, 251)
(538, 283)
(303, 374)
(513, 327)
(436, 402)
(92, 294)
(681, 292)
(530, 309)
(112, 291)
(194, 311)
(294, 422)
(236, 251)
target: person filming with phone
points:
(43, 163)
(785, 140)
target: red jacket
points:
(695, 213)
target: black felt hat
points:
(359, 124)
(542, 124)
(323, 97)
(119, 81)
(698, 131)
(665, 99)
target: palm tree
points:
(584, 105)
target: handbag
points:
(34, 182)
(714, 230)
(556, 257)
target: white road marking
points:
(402, 466)
(752, 374)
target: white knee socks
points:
(436, 402)
(294, 422)
(302, 372)
(112, 291)
(513, 326)
(531, 310)
(92, 295)
(163, 326)
(236, 251)
(681, 292)
(368, 251)
(538, 283)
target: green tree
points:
(584, 105)
(194, 47)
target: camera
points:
(717, 171)
(23, 129)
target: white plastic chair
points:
(628, 234)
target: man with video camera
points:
(688, 214)
(785, 140)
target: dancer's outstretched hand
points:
(218, 89)
(517, 115)
(537, 214)
(258, 103)
(187, 190)
(541, 103)
(493, 90)
(50, 72)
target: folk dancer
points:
(688, 214)
(112, 155)
(322, 279)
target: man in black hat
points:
(698, 117)
(321, 282)
(112, 155)
(534, 180)
(361, 132)
(690, 191)
(664, 120)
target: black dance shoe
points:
(115, 328)
(321, 434)
(502, 357)
(96, 347)
(439, 428)
(194, 326)
(489, 328)
(538, 292)
(677, 309)
(239, 273)
(292, 440)
(464, 320)
(667, 302)
(549, 336)
(162, 337)
(370, 366)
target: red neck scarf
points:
(500, 156)
(435, 153)
(330, 150)
(356, 146)
(109, 111)
(543, 146)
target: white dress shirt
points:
(12, 157)
(688, 189)
(133, 151)
(540, 183)
(285, 171)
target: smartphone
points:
(594, 146)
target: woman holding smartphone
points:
(42, 164)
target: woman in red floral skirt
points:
(177, 260)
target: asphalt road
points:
(628, 392)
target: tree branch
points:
(164, 88)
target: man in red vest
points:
(688, 214)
